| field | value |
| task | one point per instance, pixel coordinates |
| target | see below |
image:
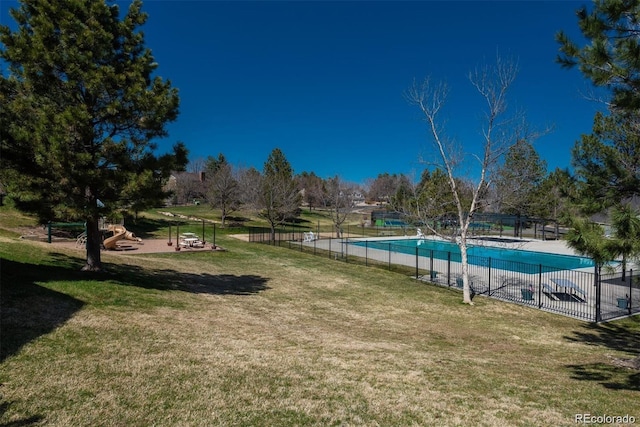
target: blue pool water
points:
(502, 258)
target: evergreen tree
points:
(279, 196)
(611, 58)
(555, 197)
(518, 181)
(212, 164)
(80, 109)
(607, 161)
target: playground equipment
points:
(119, 233)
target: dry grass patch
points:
(266, 336)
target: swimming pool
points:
(506, 259)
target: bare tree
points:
(196, 165)
(383, 187)
(498, 134)
(249, 184)
(339, 199)
(312, 188)
(223, 191)
(188, 186)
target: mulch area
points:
(147, 246)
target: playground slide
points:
(120, 232)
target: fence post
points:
(597, 279)
(416, 263)
(346, 247)
(630, 288)
(49, 232)
(449, 268)
(366, 252)
(489, 291)
(540, 286)
(389, 251)
(431, 273)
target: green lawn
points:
(265, 336)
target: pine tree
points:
(607, 161)
(611, 59)
(518, 181)
(81, 106)
(279, 196)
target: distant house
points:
(186, 187)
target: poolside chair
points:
(527, 294)
(420, 234)
(310, 236)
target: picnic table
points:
(190, 240)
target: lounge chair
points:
(420, 234)
(310, 236)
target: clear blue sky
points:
(324, 81)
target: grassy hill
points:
(266, 336)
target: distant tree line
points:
(81, 106)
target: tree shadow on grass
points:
(29, 310)
(620, 373)
(165, 279)
(608, 375)
(619, 336)
(29, 421)
(197, 283)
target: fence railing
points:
(575, 293)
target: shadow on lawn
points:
(33, 420)
(608, 375)
(29, 310)
(621, 373)
(198, 283)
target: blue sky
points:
(324, 81)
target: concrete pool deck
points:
(559, 247)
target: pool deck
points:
(336, 245)
(550, 246)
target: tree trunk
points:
(466, 285)
(94, 244)
(273, 233)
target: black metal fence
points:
(576, 293)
